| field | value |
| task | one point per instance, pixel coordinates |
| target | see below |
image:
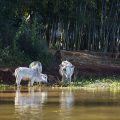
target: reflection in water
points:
(30, 102)
(30, 98)
(67, 99)
(60, 104)
(66, 103)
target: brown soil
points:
(86, 64)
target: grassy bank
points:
(87, 82)
(7, 87)
(95, 82)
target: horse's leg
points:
(32, 82)
(18, 80)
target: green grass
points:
(97, 82)
(6, 87)
(83, 81)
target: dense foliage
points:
(30, 27)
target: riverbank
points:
(89, 68)
(97, 83)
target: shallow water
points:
(59, 104)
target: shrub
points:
(13, 58)
(29, 44)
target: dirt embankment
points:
(92, 63)
(86, 63)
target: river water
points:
(60, 104)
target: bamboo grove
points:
(92, 25)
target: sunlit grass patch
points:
(6, 87)
(111, 82)
(97, 82)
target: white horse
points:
(66, 71)
(36, 65)
(24, 73)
